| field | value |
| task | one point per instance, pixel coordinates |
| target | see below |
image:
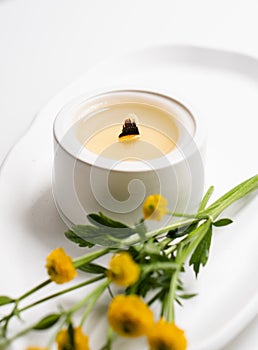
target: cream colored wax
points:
(157, 127)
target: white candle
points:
(95, 171)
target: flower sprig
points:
(147, 266)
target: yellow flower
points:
(166, 336)
(60, 266)
(80, 341)
(129, 316)
(154, 207)
(123, 270)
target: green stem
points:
(111, 336)
(196, 232)
(163, 243)
(184, 250)
(232, 196)
(7, 342)
(85, 300)
(171, 296)
(52, 296)
(201, 206)
(159, 265)
(206, 198)
(190, 242)
(170, 249)
(181, 215)
(89, 257)
(135, 238)
(199, 233)
(212, 211)
(170, 307)
(15, 310)
(33, 290)
(164, 305)
(83, 284)
(94, 299)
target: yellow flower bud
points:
(129, 316)
(154, 207)
(81, 341)
(167, 336)
(123, 270)
(60, 266)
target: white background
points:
(46, 44)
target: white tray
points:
(223, 86)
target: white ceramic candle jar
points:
(96, 171)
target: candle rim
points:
(172, 157)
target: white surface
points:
(29, 208)
(46, 44)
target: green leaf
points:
(102, 220)
(93, 268)
(201, 252)
(222, 222)
(104, 231)
(141, 229)
(143, 287)
(47, 322)
(181, 231)
(5, 300)
(178, 301)
(71, 335)
(73, 237)
(102, 235)
(187, 295)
